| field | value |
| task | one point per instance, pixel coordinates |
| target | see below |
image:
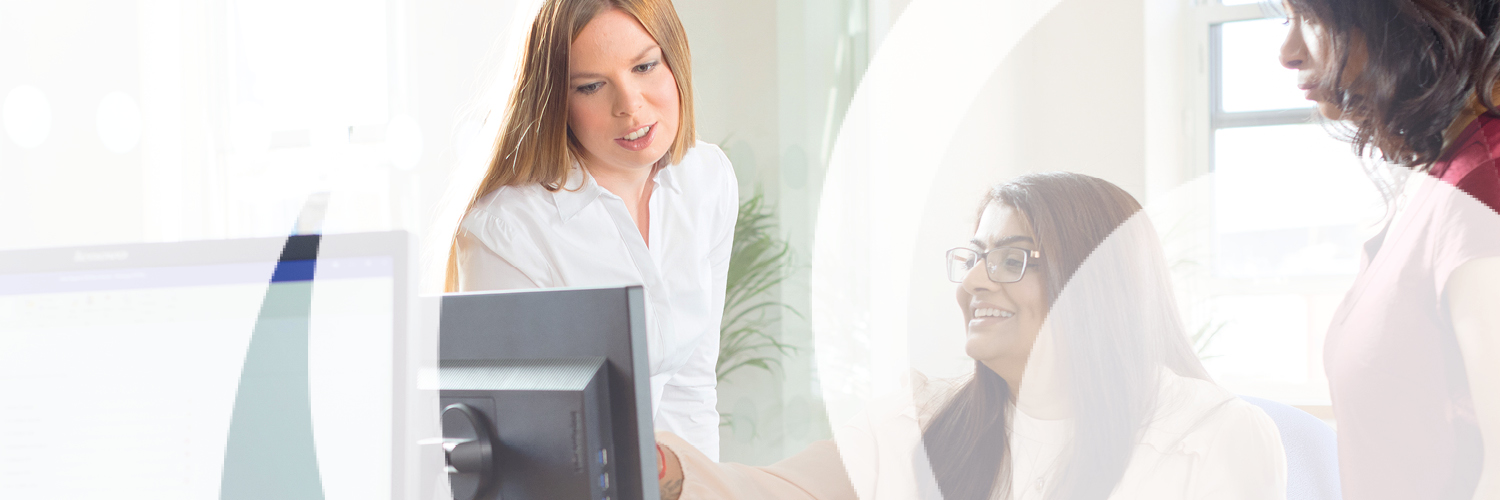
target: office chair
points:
(1312, 459)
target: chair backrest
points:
(1312, 459)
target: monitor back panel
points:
(561, 324)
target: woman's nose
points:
(978, 280)
(1293, 50)
(629, 100)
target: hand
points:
(670, 474)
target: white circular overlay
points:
(27, 116)
(250, 129)
(468, 140)
(859, 306)
(403, 142)
(119, 122)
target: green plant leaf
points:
(759, 262)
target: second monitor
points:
(526, 366)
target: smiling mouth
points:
(987, 317)
(638, 133)
(639, 139)
(990, 312)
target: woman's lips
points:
(639, 143)
(985, 317)
(987, 323)
(1308, 89)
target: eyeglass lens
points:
(1002, 265)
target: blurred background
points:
(175, 120)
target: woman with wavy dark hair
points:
(1410, 352)
(1084, 386)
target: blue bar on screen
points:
(182, 276)
(294, 270)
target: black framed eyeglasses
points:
(1001, 265)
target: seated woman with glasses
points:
(1064, 287)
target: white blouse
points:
(528, 237)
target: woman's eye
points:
(644, 67)
(590, 88)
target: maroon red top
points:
(1400, 393)
(1471, 166)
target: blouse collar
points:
(580, 190)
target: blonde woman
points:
(597, 179)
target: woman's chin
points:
(982, 346)
(645, 158)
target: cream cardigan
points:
(1202, 443)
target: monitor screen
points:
(121, 367)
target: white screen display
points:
(122, 383)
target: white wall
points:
(772, 79)
(735, 71)
(69, 189)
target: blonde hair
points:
(534, 145)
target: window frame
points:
(1206, 118)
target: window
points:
(1290, 207)
(313, 105)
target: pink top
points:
(1401, 398)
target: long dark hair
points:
(1116, 324)
(1426, 58)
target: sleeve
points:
(1469, 229)
(690, 398)
(723, 234)
(481, 266)
(815, 473)
(1244, 460)
(1466, 273)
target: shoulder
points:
(915, 399)
(514, 200)
(1472, 167)
(706, 153)
(1198, 417)
(930, 392)
(505, 210)
(706, 167)
(1229, 448)
(515, 203)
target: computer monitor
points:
(515, 335)
(132, 371)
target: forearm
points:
(670, 474)
(816, 473)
